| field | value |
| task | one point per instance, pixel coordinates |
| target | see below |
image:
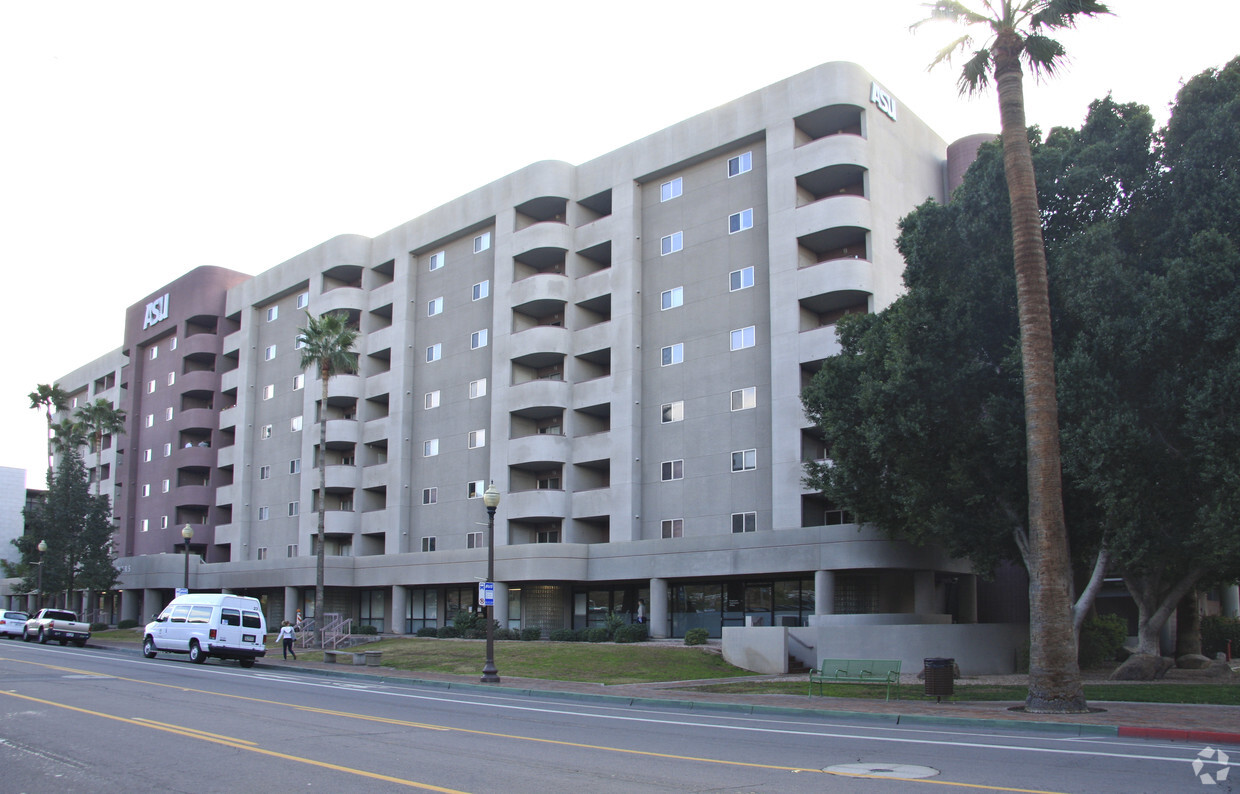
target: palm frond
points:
(1044, 55)
(1054, 14)
(951, 11)
(975, 75)
(962, 44)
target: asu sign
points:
(156, 310)
(883, 100)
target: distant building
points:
(12, 505)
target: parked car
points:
(12, 624)
(209, 624)
(60, 625)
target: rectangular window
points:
(294, 424)
(477, 439)
(434, 352)
(673, 412)
(673, 527)
(172, 343)
(150, 387)
(482, 242)
(269, 353)
(740, 279)
(434, 306)
(265, 432)
(673, 470)
(166, 486)
(476, 489)
(146, 456)
(146, 524)
(303, 300)
(740, 164)
(672, 189)
(294, 466)
(262, 552)
(428, 544)
(671, 298)
(299, 382)
(671, 243)
(430, 400)
(172, 378)
(740, 221)
(478, 339)
(547, 536)
(168, 414)
(294, 509)
(430, 448)
(153, 352)
(150, 420)
(744, 522)
(264, 513)
(743, 337)
(672, 354)
(430, 496)
(269, 391)
(548, 481)
(146, 490)
(272, 313)
(163, 522)
(482, 289)
(477, 388)
(745, 460)
(744, 399)
(264, 472)
(290, 550)
(473, 540)
(436, 260)
(167, 449)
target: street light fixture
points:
(490, 498)
(187, 532)
(42, 547)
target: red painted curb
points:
(1215, 737)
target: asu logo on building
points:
(885, 101)
(156, 310)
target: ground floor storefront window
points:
(370, 609)
(714, 605)
(421, 610)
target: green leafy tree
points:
(327, 343)
(52, 398)
(1015, 32)
(99, 419)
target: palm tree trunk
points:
(321, 539)
(1054, 675)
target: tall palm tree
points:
(1015, 32)
(66, 435)
(327, 345)
(54, 399)
(99, 419)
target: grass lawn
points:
(1164, 692)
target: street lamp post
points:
(490, 498)
(187, 532)
(42, 547)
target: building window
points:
(294, 509)
(146, 490)
(264, 513)
(265, 432)
(476, 489)
(172, 378)
(150, 387)
(547, 536)
(743, 337)
(478, 339)
(477, 388)
(482, 289)
(428, 544)
(303, 300)
(430, 496)
(299, 382)
(264, 472)
(430, 448)
(548, 481)
(272, 313)
(166, 485)
(672, 354)
(671, 243)
(168, 414)
(436, 260)
(294, 466)
(290, 550)
(740, 221)
(146, 456)
(434, 306)
(744, 522)
(744, 399)
(269, 353)
(153, 352)
(473, 540)
(740, 164)
(477, 439)
(673, 528)
(269, 391)
(672, 412)
(673, 470)
(167, 449)
(163, 522)
(745, 460)
(146, 524)
(672, 189)
(150, 420)
(482, 242)
(172, 343)
(262, 552)
(434, 352)
(294, 424)
(740, 279)
(551, 426)
(671, 298)
(430, 399)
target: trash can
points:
(939, 675)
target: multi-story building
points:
(619, 346)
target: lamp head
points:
(187, 532)
(42, 546)
(490, 497)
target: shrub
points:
(531, 633)
(127, 623)
(696, 636)
(613, 621)
(563, 635)
(1216, 631)
(596, 634)
(634, 632)
(476, 633)
(464, 621)
(428, 631)
(99, 627)
(367, 630)
(1102, 636)
(447, 632)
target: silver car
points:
(13, 624)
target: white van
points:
(209, 624)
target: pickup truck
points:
(56, 624)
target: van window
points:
(252, 620)
(230, 617)
(167, 613)
(200, 614)
(179, 614)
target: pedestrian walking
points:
(286, 638)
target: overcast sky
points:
(141, 140)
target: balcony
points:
(375, 430)
(840, 211)
(539, 393)
(343, 386)
(228, 417)
(840, 275)
(543, 235)
(540, 339)
(540, 287)
(348, 299)
(340, 432)
(595, 502)
(342, 522)
(539, 447)
(537, 504)
(343, 477)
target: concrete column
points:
(923, 593)
(129, 604)
(290, 604)
(32, 600)
(824, 592)
(1231, 601)
(660, 624)
(500, 610)
(396, 621)
(966, 594)
(152, 603)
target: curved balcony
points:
(539, 447)
(538, 393)
(343, 477)
(341, 432)
(194, 496)
(194, 456)
(348, 387)
(199, 380)
(540, 339)
(341, 522)
(595, 502)
(196, 419)
(832, 150)
(838, 275)
(200, 343)
(378, 385)
(817, 344)
(542, 235)
(350, 299)
(537, 504)
(540, 286)
(838, 211)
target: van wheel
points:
(196, 654)
(246, 662)
(148, 648)
(43, 638)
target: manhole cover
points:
(904, 771)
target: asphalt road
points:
(87, 720)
